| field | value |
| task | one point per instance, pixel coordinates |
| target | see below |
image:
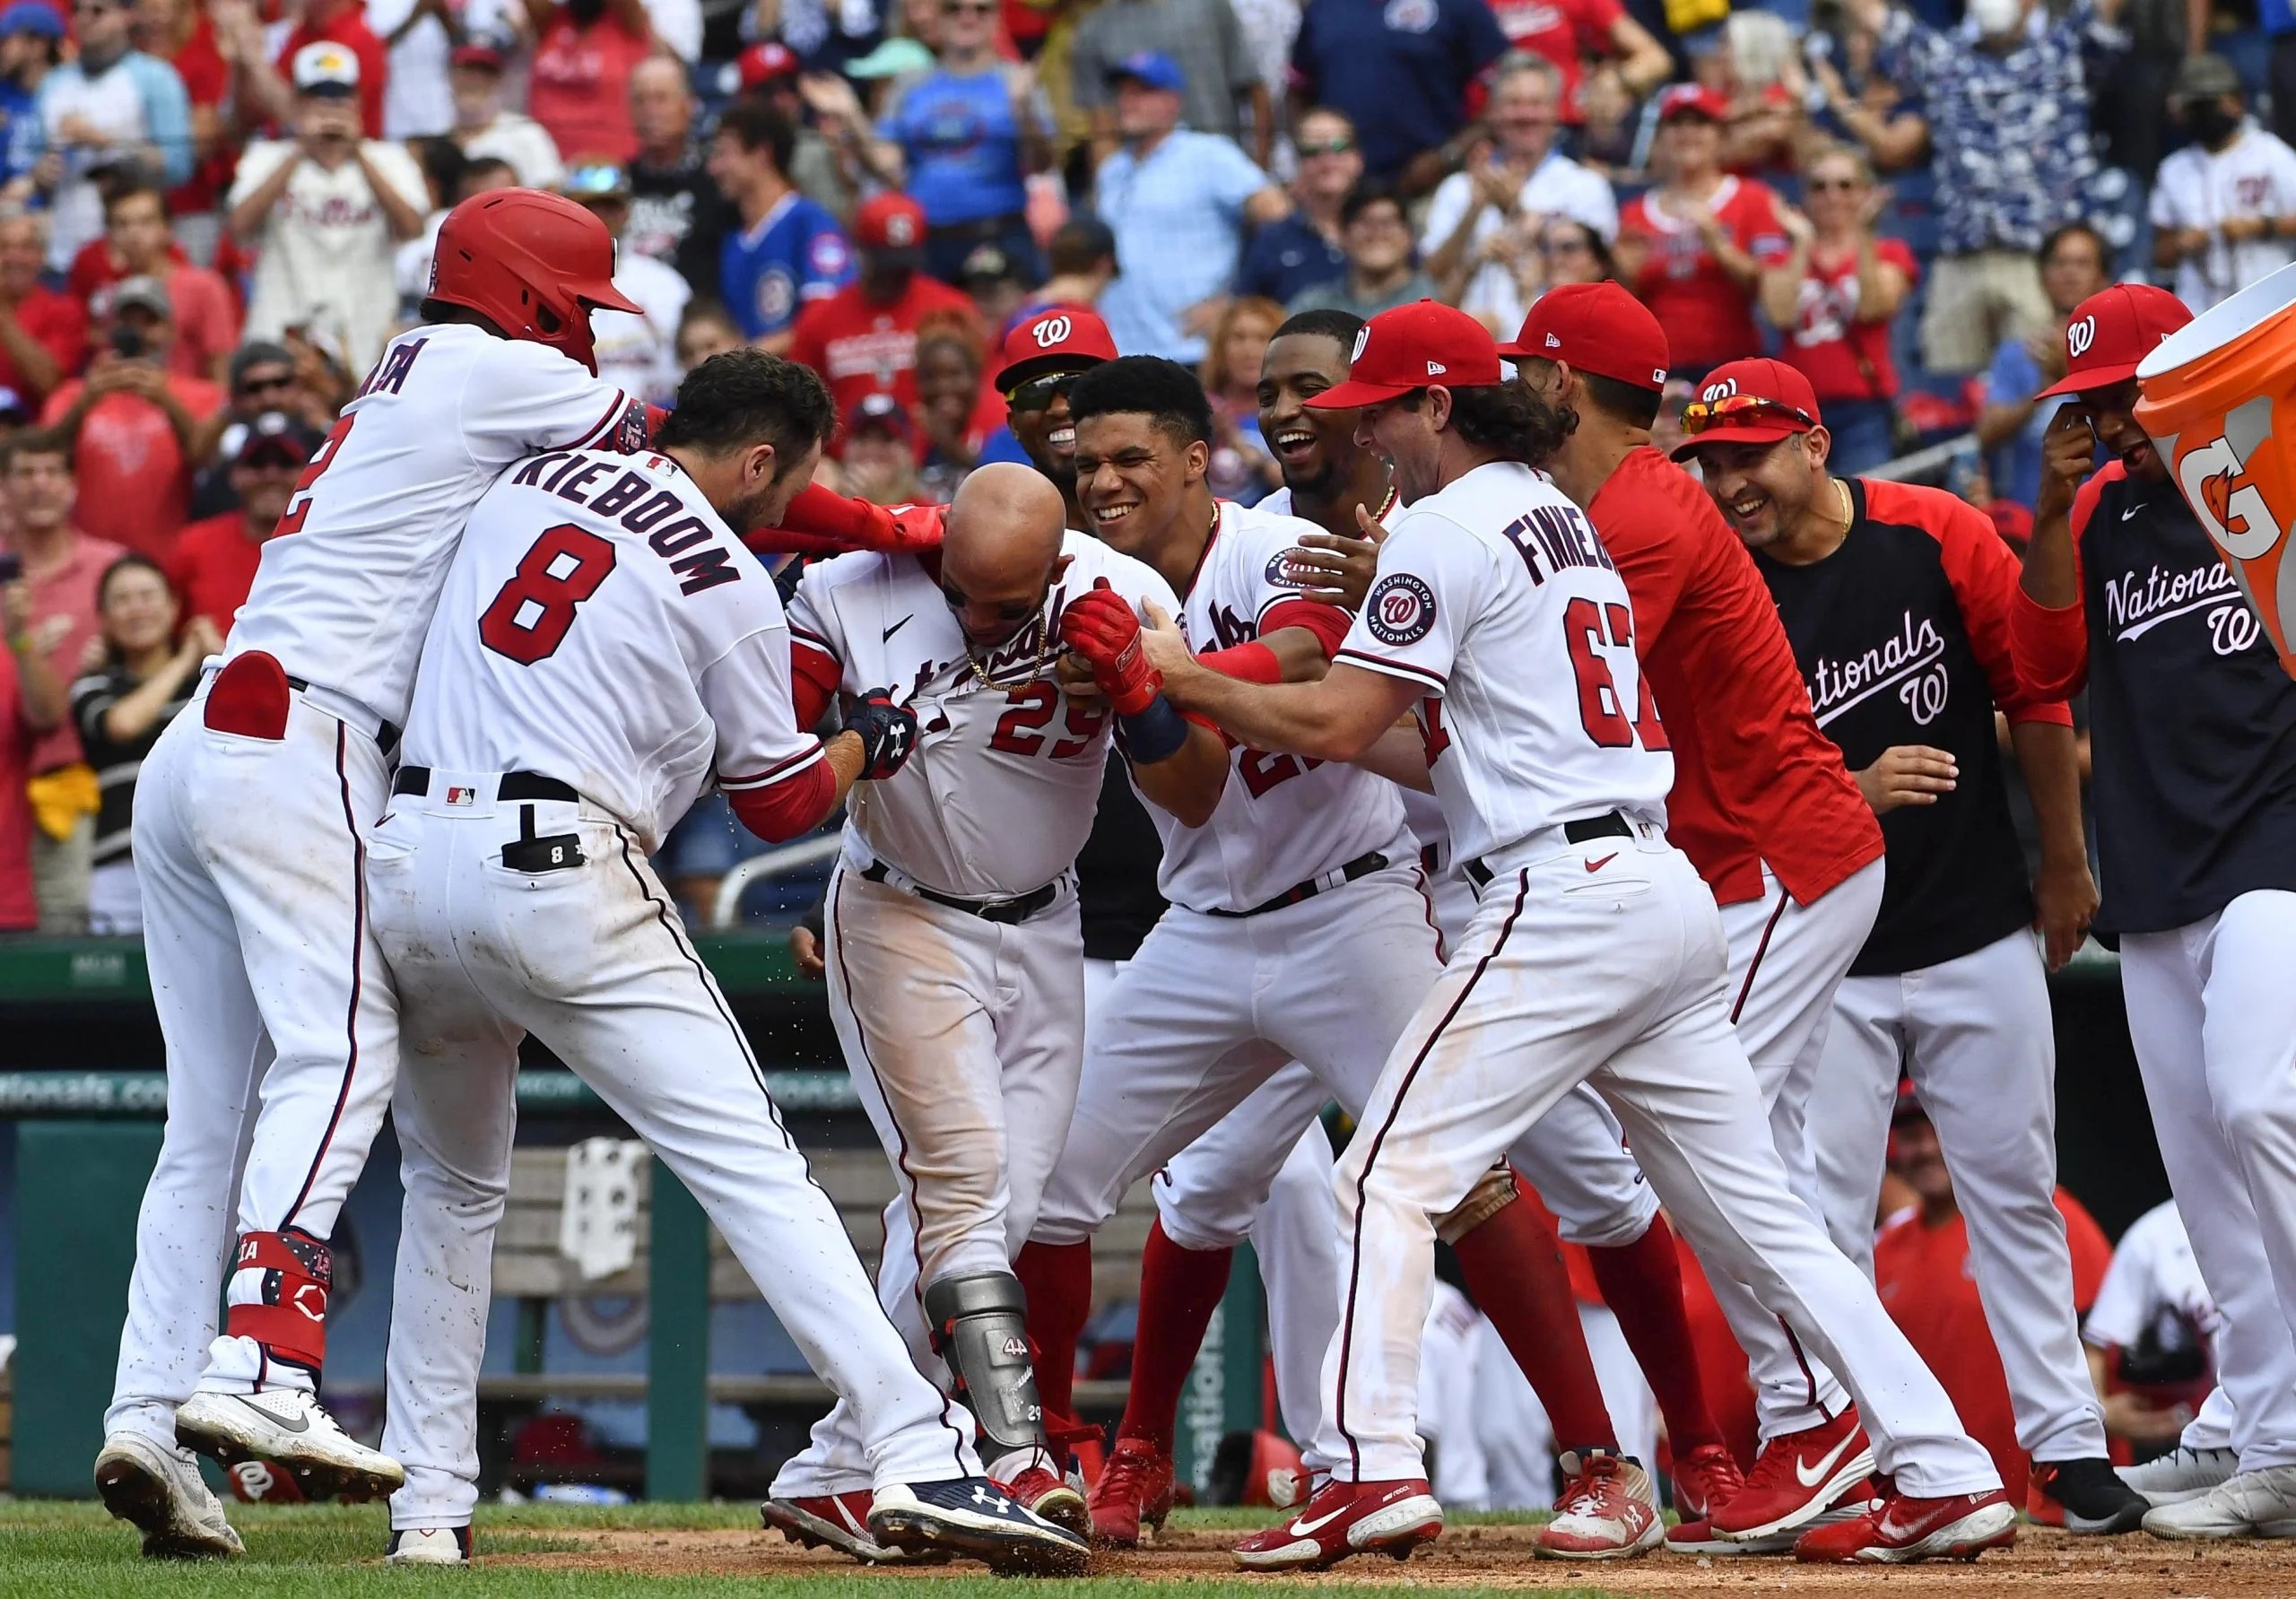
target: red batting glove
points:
(1102, 629)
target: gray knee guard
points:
(981, 1327)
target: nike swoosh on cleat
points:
(1307, 1529)
(1810, 1478)
(296, 1424)
(1606, 860)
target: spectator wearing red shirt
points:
(1574, 34)
(137, 428)
(1693, 249)
(1921, 1265)
(214, 560)
(1834, 296)
(863, 339)
(29, 707)
(139, 242)
(43, 335)
(180, 34)
(578, 85)
(341, 23)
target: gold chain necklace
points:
(1034, 656)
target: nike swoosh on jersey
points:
(2131, 511)
(1809, 1478)
(1606, 860)
(903, 622)
(285, 1423)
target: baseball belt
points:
(1613, 826)
(1004, 912)
(1362, 865)
(513, 787)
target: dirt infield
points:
(2044, 1562)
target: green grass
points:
(51, 1550)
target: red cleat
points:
(1904, 1530)
(838, 1521)
(1705, 1480)
(1053, 1497)
(1134, 1492)
(1699, 1537)
(1608, 1511)
(1796, 1478)
(1347, 1518)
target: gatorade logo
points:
(1053, 330)
(2216, 483)
(2079, 336)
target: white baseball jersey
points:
(1495, 597)
(2254, 176)
(602, 625)
(999, 795)
(1281, 820)
(344, 601)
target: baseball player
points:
(280, 1022)
(1498, 620)
(953, 949)
(2193, 728)
(1897, 600)
(600, 618)
(1764, 810)
(1242, 975)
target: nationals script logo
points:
(1912, 661)
(2136, 603)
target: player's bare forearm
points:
(2064, 895)
(1336, 718)
(845, 755)
(2051, 576)
(1188, 783)
(1400, 756)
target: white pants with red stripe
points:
(593, 962)
(1606, 967)
(280, 1024)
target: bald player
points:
(955, 962)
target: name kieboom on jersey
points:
(626, 499)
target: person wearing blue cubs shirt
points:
(787, 250)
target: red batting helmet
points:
(535, 264)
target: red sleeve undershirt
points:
(799, 804)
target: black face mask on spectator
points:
(2212, 121)
(587, 11)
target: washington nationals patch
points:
(1400, 609)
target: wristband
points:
(1155, 733)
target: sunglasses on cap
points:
(1700, 415)
(1038, 393)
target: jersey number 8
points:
(528, 620)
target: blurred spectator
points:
(1862, 106)
(1573, 35)
(137, 425)
(1301, 250)
(214, 560)
(2278, 19)
(636, 350)
(992, 280)
(955, 413)
(2224, 206)
(1401, 69)
(863, 339)
(2008, 112)
(1082, 257)
(108, 106)
(263, 377)
(708, 329)
(344, 24)
(31, 42)
(1694, 248)
(43, 335)
(963, 139)
(448, 178)
(484, 127)
(138, 243)
(1241, 468)
(1833, 298)
(880, 454)
(180, 33)
(676, 214)
(1483, 221)
(1562, 250)
(1377, 242)
(2152, 1335)
(782, 250)
(31, 704)
(1212, 67)
(324, 209)
(577, 84)
(1178, 202)
(420, 36)
(1921, 1265)
(62, 567)
(1755, 63)
(2013, 421)
(769, 72)
(145, 676)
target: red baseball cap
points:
(766, 63)
(2111, 332)
(1757, 387)
(1599, 329)
(1694, 100)
(477, 54)
(1410, 347)
(1055, 339)
(890, 223)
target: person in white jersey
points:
(953, 949)
(251, 817)
(604, 648)
(1595, 952)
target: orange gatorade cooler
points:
(2219, 404)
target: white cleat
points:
(2181, 1475)
(428, 1546)
(2249, 1505)
(293, 1430)
(158, 1491)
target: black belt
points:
(1362, 865)
(385, 733)
(1613, 826)
(1004, 912)
(1431, 859)
(513, 787)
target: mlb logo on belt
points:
(462, 797)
